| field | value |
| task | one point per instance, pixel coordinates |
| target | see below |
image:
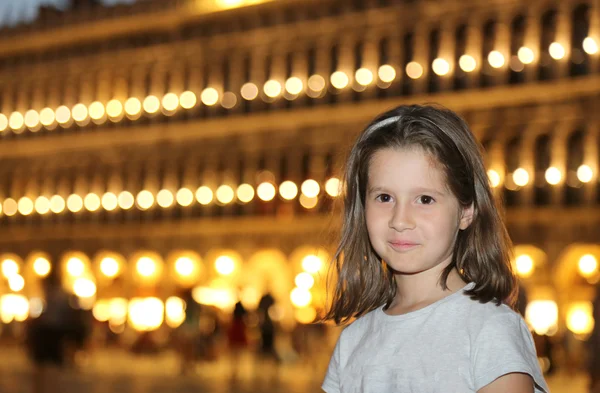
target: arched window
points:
(548, 34)
(574, 188)
(580, 27)
(542, 159)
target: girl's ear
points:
(466, 217)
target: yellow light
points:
(467, 63)
(133, 107)
(184, 266)
(494, 178)
(187, 100)
(79, 112)
(588, 265)
(316, 83)
(91, 202)
(146, 314)
(386, 73)
(74, 203)
(294, 85)
(245, 193)
(63, 115)
(16, 121)
(174, 311)
(521, 177)
(15, 307)
(185, 197)
(557, 51)
(310, 188)
(100, 311)
(224, 265)
(249, 91)
(312, 264)
(308, 202)
(10, 207)
(96, 110)
(288, 190)
(542, 315)
(41, 267)
(3, 122)
(553, 175)
(305, 315)
(209, 96)
(414, 70)
(272, 88)
(204, 195)
(339, 79)
(151, 104)
(363, 76)
(525, 55)
(590, 46)
(75, 267)
(585, 174)
(440, 66)
(109, 201)
(496, 59)
(164, 198)
(118, 311)
(229, 100)
(266, 191)
(580, 318)
(10, 268)
(25, 206)
(304, 281)
(109, 267)
(16, 283)
(170, 102)
(225, 194)
(145, 199)
(47, 117)
(230, 3)
(524, 265)
(333, 187)
(57, 204)
(300, 297)
(32, 120)
(83, 287)
(146, 267)
(114, 109)
(126, 200)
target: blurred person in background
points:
(46, 336)
(237, 338)
(188, 333)
(593, 346)
(267, 328)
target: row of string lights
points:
(309, 191)
(553, 176)
(315, 87)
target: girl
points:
(424, 266)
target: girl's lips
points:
(402, 246)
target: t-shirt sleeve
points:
(331, 384)
(503, 346)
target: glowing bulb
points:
(339, 79)
(57, 204)
(440, 66)
(288, 190)
(32, 120)
(525, 55)
(170, 102)
(187, 100)
(164, 198)
(204, 195)
(109, 267)
(524, 265)
(126, 200)
(74, 203)
(133, 107)
(363, 76)
(114, 109)
(151, 104)
(229, 100)
(496, 59)
(225, 194)
(184, 266)
(249, 91)
(47, 117)
(312, 264)
(83, 287)
(304, 280)
(146, 267)
(557, 51)
(75, 267)
(25, 206)
(272, 88)
(245, 193)
(41, 267)
(209, 96)
(467, 63)
(294, 85)
(9, 268)
(145, 199)
(308, 202)
(386, 73)
(185, 197)
(553, 175)
(63, 115)
(310, 188)
(16, 121)
(42, 205)
(10, 207)
(92, 202)
(3, 122)
(300, 297)
(494, 178)
(16, 283)
(590, 46)
(79, 112)
(316, 83)
(109, 201)
(266, 191)
(96, 110)
(224, 265)
(414, 70)
(587, 265)
(585, 174)
(521, 177)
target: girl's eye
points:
(384, 198)
(426, 200)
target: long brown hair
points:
(482, 252)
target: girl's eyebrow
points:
(418, 190)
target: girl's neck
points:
(420, 290)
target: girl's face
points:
(412, 217)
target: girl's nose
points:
(401, 218)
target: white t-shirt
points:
(455, 345)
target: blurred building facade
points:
(152, 146)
